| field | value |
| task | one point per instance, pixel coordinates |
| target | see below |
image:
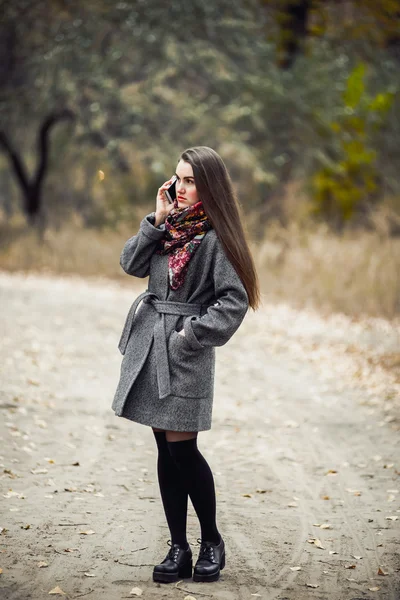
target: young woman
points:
(202, 281)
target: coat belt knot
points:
(162, 307)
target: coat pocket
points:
(191, 371)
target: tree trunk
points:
(31, 188)
(293, 30)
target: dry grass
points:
(72, 249)
(358, 273)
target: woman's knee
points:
(180, 436)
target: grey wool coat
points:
(167, 379)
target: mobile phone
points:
(170, 192)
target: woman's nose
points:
(180, 187)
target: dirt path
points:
(304, 447)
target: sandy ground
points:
(304, 449)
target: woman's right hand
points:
(163, 207)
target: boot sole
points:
(212, 576)
(185, 572)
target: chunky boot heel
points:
(210, 562)
(177, 564)
(185, 571)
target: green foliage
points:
(296, 23)
(350, 179)
(147, 79)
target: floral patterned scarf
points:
(185, 228)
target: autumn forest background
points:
(300, 98)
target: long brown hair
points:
(215, 190)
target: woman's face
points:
(186, 193)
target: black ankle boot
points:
(210, 562)
(176, 565)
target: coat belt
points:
(163, 307)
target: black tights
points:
(183, 471)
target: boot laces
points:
(174, 551)
(206, 550)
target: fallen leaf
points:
(331, 472)
(71, 549)
(38, 472)
(351, 579)
(293, 504)
(357, 557)
(247, 495)
(90, 574)
(42, 564)
(355, 492)
(381, 572)
(10, 473)
(325, 526)
(260, 491)
(88, 532)
(25, 526)
(392, 518)
(312, 585)
(192, 598)
(57, 590)
(316, 542)
(349, 566)
(136, 591)
(291, 424)
(295, 568)
(11, 494)
(325, 497)
(374, 589)
(332, 552)
(33, 382)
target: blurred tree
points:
(349, 179)
(296, 21)
(32, 188)
(104, 62)
(145, 79)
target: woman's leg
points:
(198, 479)
(173, 491)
